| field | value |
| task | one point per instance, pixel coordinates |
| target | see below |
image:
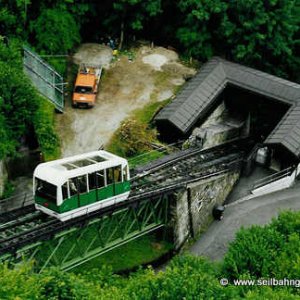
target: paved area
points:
(214, 242)
(245, 183)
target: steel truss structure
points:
(79, 244)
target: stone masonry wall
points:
(193, 209)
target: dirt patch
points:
(95, 54)
(152, 75)
(155, 60)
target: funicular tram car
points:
(70, 187)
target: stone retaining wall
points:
(193, 210)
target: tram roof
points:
(59, 171)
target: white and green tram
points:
(70, 187)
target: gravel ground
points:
(127, 84)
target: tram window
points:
(117, 174)
(110, 175)
(125, 173)
(45, 190)
(82, 184)
(92, 181)
(65, 190)
(100, 179)
(73, 184)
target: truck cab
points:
(86, 86)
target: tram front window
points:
(45, 190)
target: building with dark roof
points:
(201, 94)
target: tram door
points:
(114, 177)
(83, 196)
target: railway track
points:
(170, 174)
(191, 162)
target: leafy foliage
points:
(266, 252)
(258, 252)
(56, 31)
(135, 137)
(253, 252)
(21, 107)
(18, 99)
(202, 19)
(135, 12)
(28, 286)
(260, 34)
(44, 126)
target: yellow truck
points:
(86, 85)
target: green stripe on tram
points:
(86, 198)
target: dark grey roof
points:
(202, 90)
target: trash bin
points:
(218, 212)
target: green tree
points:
(21, 107)
(55, 31)
(261, 34)
(44, 127)
(253, 252)
(130, 15)
(18, 99)
(200, 30)
(19, 283)
(13, 18)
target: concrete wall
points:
(193, 210)
(3, 177)
(219, 127)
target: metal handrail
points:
(274, 177)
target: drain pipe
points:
(189, 201)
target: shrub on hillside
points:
(45, 130)
(135, 138)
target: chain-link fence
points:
(48, 82)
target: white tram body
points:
(73, 186)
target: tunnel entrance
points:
(263, 113)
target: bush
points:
(45, 130)
(133, 138)
(18, 99)
(19, 283)
(253, 252)
(56, 31)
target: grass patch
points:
(144, 158)
(146, 113)
(131, 255)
